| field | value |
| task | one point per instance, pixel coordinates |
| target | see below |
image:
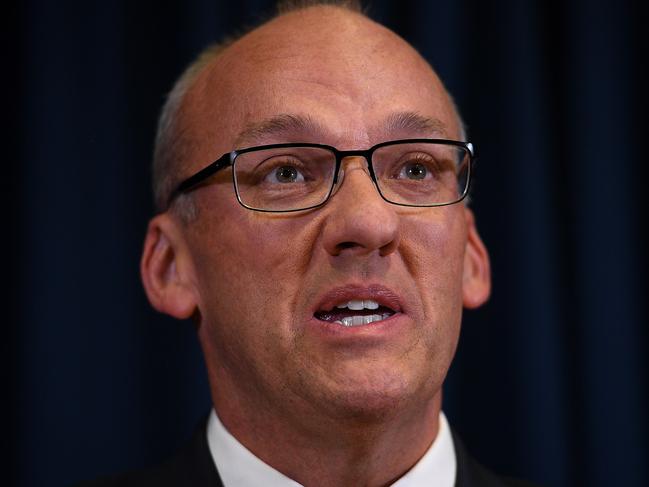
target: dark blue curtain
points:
(550, 381)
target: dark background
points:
(550, 382)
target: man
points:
(325, 262)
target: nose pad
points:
(340, 179)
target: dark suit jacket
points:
(193, 466)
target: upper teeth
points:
(358, 304)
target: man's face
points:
(261, 281)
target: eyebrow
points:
(414, 122)
(283, 125)
(277, 126)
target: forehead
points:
(348, 75)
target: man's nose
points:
(360, 221)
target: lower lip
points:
(382, 328)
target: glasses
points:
(294, 177)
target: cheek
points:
(434, 249)
(250, 265)
(434, 255)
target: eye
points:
(285, 174)
(414, 170)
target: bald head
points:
(307, 64)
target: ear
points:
(165, 269)
(476, 278)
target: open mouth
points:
(355, 312)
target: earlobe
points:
(164, 270)
(476, 278)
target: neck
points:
(359, 449)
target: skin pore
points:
(323, 406)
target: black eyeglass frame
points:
(230, 158)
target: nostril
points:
(343, 246)
(346, 245)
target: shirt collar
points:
(239, 467)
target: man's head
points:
(258, 284)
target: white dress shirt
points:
(238, 467)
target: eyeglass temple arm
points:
(221, 163)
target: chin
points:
(372, 397)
